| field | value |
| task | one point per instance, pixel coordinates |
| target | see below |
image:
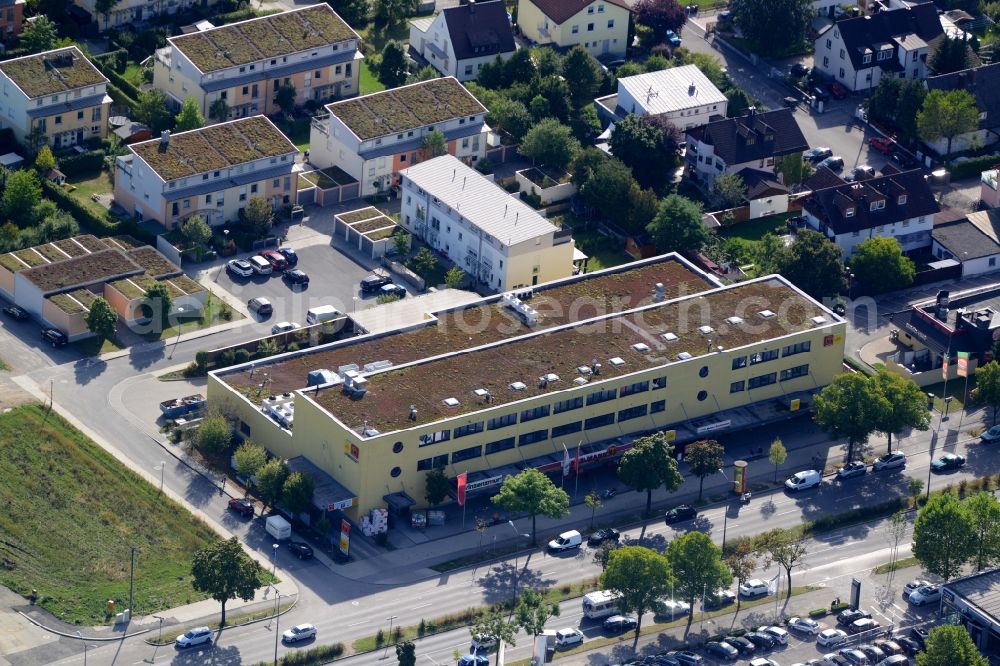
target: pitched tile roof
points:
(982, 82)
(406, 108)
(479, 29)
(822, 178)
(562, 10)
(760, 183)
(829, 205)
(52, 72)
(755, 136)
(214, 147)
(266, 37)
(868, 32)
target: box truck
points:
(278, 527)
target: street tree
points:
(773, 27)
(698, 567)
(224, 571)
(495, 625)
(271, 480)
(593, 502)
(391, 12)
(45, 161)
(434, 144)
(777, 454)
(895, 530)
(850, 406)
(196, 230)
(946, 114)
(213, 434)
(285, 99)
(392, 70)
(218, 110)
(38, 35)
(437, 486)
(157, 304)
(905, 405)
(650, 465)
(677, 226)
(987, 391)
(742, 562)
(705, 458)
(950, 645)
(454, 277)
(153, 110)
(550, 143)
(354, 12)
(781, 547)
(915, 487)
(406, 653)
(259, 216)
(101, 319)
(603, 553)
(984, 510)
(813, 264)
(729, 190)
(533, 493)
(640, 576)
(190, 117)
(879, 264)
(534, 610)
(583, 74)
(21, 194)
(659, 16)
(297, 492)
(943, 536)
(249, 458)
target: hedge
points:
(100, 225)
(973, 167)
(117, 59)
(119, 97)
(79, 164)
(123, 85)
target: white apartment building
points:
(460, 40)
(683, 95)
(491, 235)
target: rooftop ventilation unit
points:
(371, 432)
(819, 321)
(617, 361)
(683, 356)
(350, 376)
(360, 386)
(344, 369)
(451, 402)
(517, 386)
(669, 337)
(527, 313)
(641, 347)
(580, 381)
(734, 321)
(706, 330)
(550, 377)
(585, 370)
(659, 292)
(766, 314)
(413, 412)
(377, 365)
(483, 394)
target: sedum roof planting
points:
(80, 271)
(52, 72)
(266, 37)
(406, 108)
(214, 147)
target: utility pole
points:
(131, 585)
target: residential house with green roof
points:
(130, 13)
(376, 136)
(212, 171)
(238, 68)
(56, 97)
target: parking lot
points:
(333, 280)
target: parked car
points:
(817, 154)
(902, 159)
(847, 617)
(721, 650)
(779, 634)
(863, 625)
(948, 462)
(392, 289)
(16, 313)
(672, 608)
(244, 507)
(831, 637)
(852, 470)
(991, 435)
(284, 327)
(805, 625)
(764, 661)
(289, 255)
(909, 645)
(720, 599)
(753, 588)
(239, 267)
(474, 660)
(260, 306)
(854, 656)
(568, 637)
(895, 660)
(834, 659)
(688, 658)
(196, 636)
(666, 659)
(820, 94)
(260, 265)
(838, 90)
(295, 278)
(860, 172)
(912, 586)
(834, 163)
(882, 144)
(275, 258)
(928, 594)
(873, 653)
(299, 632)
(602, 535)
(744, 646)
(482, 643)
(919, 634)
(679, 513)
(890, 648)
(894, 460)
(619, 624)
(804, 480)
(790, 102)
(799, 70)
(566, 541)
(370, 284)
(673, 39)
(761, 640)
(54, 337)
(303, 551)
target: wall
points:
(553, 262)
(558, 192)
(73, 325)
(777, 203)
(168, 250)
(7, 283)
(979, 138)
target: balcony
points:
(564, 235)
(321, 124)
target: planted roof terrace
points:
(52, 72)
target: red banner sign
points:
(462, 481)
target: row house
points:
(127, 13)
(460, 40)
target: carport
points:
(368, 229)
(327, 187)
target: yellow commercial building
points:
(599, 26)
(506, 383)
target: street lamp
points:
(277, 619)
(517, 571)
(355, 299)
(180, 313)
(274, 558)
(159, 468)
(388, 638)
(85, 647)
(159, 639)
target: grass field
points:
(297, 130)
(95, 183)
(369, 83)
(604, 252)
(754, 230)
(211, 317)
(89, 346)
(72, 513)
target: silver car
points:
(894, 460)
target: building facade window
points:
(567, 429)
(469, 429)
(739, 362)
(797, 371)
(659, 382)
(534, 413)
(435, 437)
(736, 387)
(431, 463)
(532, 437)
(632, 413)
(599, 421)
(466, 454)
(500, 445)
(763, 357)
(762, 380)
(632, 389)
(658, 406)
(797, 348)
(501, 421)
(567, 405)
(601, 396)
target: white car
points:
(568, 637)
(804, 480)
(777, 633)
(299, 632)
(284, 327)
(483, 643)
(754, 587)
(894, 460)
(239, 267)
(914, 585)
(762, 661)
(196, 636)
(831, 637)
(928, 594)
(805, 625)
(672, 608)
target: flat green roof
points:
(52, 72)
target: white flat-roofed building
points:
(488, 233)
(684, 95)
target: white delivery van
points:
(320, 314)
(278, 527)
(566, 541)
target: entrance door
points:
(605, 47)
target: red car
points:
(837, 90)
(275, 258)
(882, 144)
(244, 507)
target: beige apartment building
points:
(212, 172)
(56, 97)
(599, 26)
(244, 64)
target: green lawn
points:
(89, 347)
(93, 183)
(604, 252)
(211, 317)
(956, 389)
(379, 35)
(297, 130)
(71, 515)
(754, 230)
(133, 74)
(369, 83)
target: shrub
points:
(313, 656)
(79, 164)
(836, 608)
(421, 628)
(241, 356)
(192, 370)
(292, 347)
(962, 486)
(379, 638)
(973, 167)
(226, 359)
(817, 612)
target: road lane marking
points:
(420, 606)
(357, 623)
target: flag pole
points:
(576, 480)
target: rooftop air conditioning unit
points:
(641, 347)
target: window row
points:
(768, 379)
